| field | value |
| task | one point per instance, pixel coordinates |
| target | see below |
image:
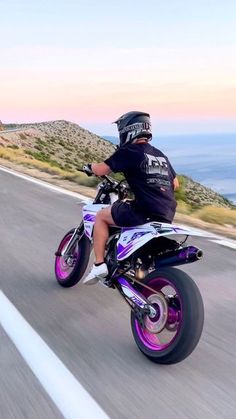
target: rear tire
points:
(184, 318)
(68, 275)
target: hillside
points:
(197, 195)
(66, 146)
(63, 143)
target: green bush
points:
(40, 142)
(38, 155)
(38, 147)
(180, 192)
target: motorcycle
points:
(167, 312)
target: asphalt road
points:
(88, 328)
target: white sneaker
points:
(96, 273)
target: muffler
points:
(187, 254)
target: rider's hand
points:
(88, 169)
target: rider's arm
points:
(100, 169)
(176, 183)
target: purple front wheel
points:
(69, 269)
(174, 332)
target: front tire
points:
(69, 271)
(173, 335)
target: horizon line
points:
(113, 136)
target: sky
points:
(90, 61)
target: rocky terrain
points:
(62, 142)
(68, 146)
(199, 195)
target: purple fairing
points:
(137, 235)
(89, 217)
(130, 292)
(124, 250)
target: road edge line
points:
(54, 188)
(70, 397)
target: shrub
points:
(22, 136)
(183, 207)
(180, 192)
(68, 167)
(61, 142)
(13, 146)
(38, 147)
(82, 179)
(55, 163)
(38, 155)
(40, 142)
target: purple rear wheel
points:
(174, 332)
(69, 269)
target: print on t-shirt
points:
(155, 165)
(150, 177)
(156, 169)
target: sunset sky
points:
(90, 61)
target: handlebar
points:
(109, 180)
(102, 177)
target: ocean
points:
(209, 159)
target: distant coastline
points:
(209, 159)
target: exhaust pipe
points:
(188, 254)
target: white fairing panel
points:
(89, 216)
(132, 238)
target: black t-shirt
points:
(150, 177)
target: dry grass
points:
(18, 156)
(183, 207)
(216, 215)
(81, 179)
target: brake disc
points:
(158, 322)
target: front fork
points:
(79, 231)
(137, 301)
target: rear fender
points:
(133, 238)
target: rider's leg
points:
(101, 233)
(100, 236)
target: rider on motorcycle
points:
(150, 177)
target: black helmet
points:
(133, 125)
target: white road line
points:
(225, 243)
(73, 401)
(57, 189)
